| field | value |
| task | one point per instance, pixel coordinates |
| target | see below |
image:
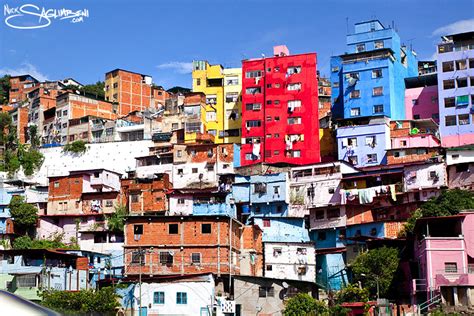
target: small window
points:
(269, 267)
(360, 48)
(172, 229)
(265, 291)
(206, 228)
(448, 84)
(319, 215)
(355, 94)
(461, 64)
(449, 102)
(138, 229)
(56, 184)
(138, 257)
(353, 160)
(377, 91)
(134, 198)
(378, 44)
(355, 112)
(463, 167)
(333, 213)
(181, 298)
(166, 258)
(450, 267)
(371, 158)
(180, 172)
(196, 258)
(181, 201)
(266, 223)
(276, 153)
(378, 108)
(448, 66)
(398, 154)
(276, 190)
(159, 298)
(450, 120)
(461, 82)
(463, 119)
(352, 142)
(195, 170)
(376, 73)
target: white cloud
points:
(24, 69)
(461, 26)
(178, 66)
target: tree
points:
(96, 89)
(77, 147)
(4, 89)
(376, 266)
(178, 89)
(33, 136)
(101, 302)
(24, 215)
(53, 242)
(449, 202)
(352, 293)
(303, 304)
(116, 221)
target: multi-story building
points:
(19, 116)
(71, 106)
(222, 88)
(91, 129)
(455, 58)
(369, 79)
(459, 166)
(194, 116)
(132, 91)
(280, 109)
(421, 97)
(19, 88)
(442, 251)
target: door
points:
(143, 311)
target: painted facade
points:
(421, 98)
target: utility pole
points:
(140, 281)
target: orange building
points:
(20, 86)
(132, 91)
(182, 245)
(146, 195)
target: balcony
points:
(464, 276)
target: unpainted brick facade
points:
(145, 195)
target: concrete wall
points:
(417, 177)
(426, 106)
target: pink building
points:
(444, 251)
(421, 98)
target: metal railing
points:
(425, 306)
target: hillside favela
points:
(268, 188)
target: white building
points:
(290, 260)
(427, 178)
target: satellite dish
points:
(285, 285)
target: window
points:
(294, 86)
(371, 158)
(166, 257)
(471, 63)
(277, 118)
(403, 143)
(206, 228)
(448, 84)
(432, 175)
(276, 153)
(138, 229)
(172, 229)
(266, 223)
(450, 267)
(231, 97)
(294, 120)
(355, 94)
(353, 160)
(450, 120)
(448, 66)
(352, 142)
(414, 102)
(138, 257)
(376, 73)
(378, 44)
(159, 298)
(416, 116)
(181, 201)
(196, 258)
(293, 70)
(294, 104)
(464, 167)
(56, 184)
(109, 203)
(266, 291)
(378, 108)
(181, 298)
(333, 213)
(253, 90)
(232, 81)
(322, 236)
(371, 141)
(335, 69)
(335, 84)
(398, 154)
(461, 64)
(253, 74)
(276, 190)
(211, 116)
(269, 267)
(471, 81)
(276, 135)
(250, 157)
(253, 123)
(260, 187)
(354, 75)
(295, 153)
(134, 198)
(276, 69)
(463, 119)
(461, 82)
(64, 112)
(377, 91)
(449, 102)
(360, 48)
(355, 111)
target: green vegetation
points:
(178, 89)
(352, 293)
(77, 147)
(116, 221)
(18, 155)
(303, 304)
(376, 265)
(101, 302)
(449, 202)
(25, 242)
(4, 89)
(24, 215)
(95, 90)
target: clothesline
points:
(367, 195)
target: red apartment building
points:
(280, 109)
(132, 91)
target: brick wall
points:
(151, 194)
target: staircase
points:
(425, 307)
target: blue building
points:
(5, 198)
(289, 229)
(368, 80)
(261, 195)
(364, 145)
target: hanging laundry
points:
(289, 144)
(352, 194)
(256, 150)
(343, 196)
(393, 192)
(366, 195)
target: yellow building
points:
(222, 88)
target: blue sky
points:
(162, 37)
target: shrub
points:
(77, 147)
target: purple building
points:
(455, 58)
